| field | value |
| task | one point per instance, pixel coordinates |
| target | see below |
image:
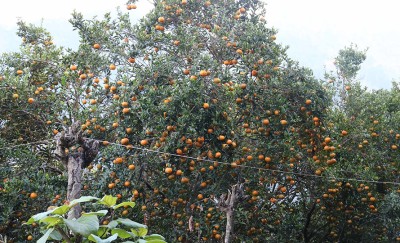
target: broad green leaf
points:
(139, 231)
(130, 223)
(97, 239)
(51, 221)
(61, 210)
(82, 199)
(38, 217)
(45, 236)
(98, 213)
(55, 235)
(102, 230)
(154, 237)
(85, 225)
(155, 241)
(112, 224)
(108, 200)
(121, 233)
(131, 204)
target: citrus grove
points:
(199, 116)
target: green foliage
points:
(87, 228)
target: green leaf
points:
(102, 230)
(51, 221)
(131, 204)
(108, 200)
(98, 213)
(38, 217)
(45, 236)
(154, 237)
(121, 233)
(112, 224)
(156, 241)
(61, 210)
(139, 232)
(55, 235)
(130, 223)
(82, 199)
(97, 239)
(85, 225)
(63, 81)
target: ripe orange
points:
(96, 46)
(30, 237)
(131, 167)
(160, 28)
(179, 151)
(265, 122)
(168, 170)
(73, 67)
(125, 141)
(185, 180)
(126, 110)
(19, 72)
(33, 195)
(284, 122)
(161, 19)
(203, 73)
(206, 105)
(31, 100)
(308, 102)
(144, 142)
(113, 67)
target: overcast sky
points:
(314, 30)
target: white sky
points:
(315, 30)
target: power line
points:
(25, 144)
(251, 167)
(220, 162)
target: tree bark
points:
(229, 224)
(75, 161)
(74, 184)
(226, 204)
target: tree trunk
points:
(75, 161)
(226, 204)
(74, 184)
(229, 225)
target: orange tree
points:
(364, 126)
(202, 119)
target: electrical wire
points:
(224, 163)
